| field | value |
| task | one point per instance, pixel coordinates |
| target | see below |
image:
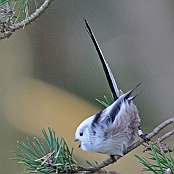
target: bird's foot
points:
(113, 158)
(143, 136)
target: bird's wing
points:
(110, 78)
(109, 114)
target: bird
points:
(115, 128)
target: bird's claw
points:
(144, 137)
(113, 158)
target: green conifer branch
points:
(52, 156)
(16, 14)
(160, 160)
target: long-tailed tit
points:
(115, 128)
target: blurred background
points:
(51, 73)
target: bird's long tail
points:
(110, 78)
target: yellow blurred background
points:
(51, 74)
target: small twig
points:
(135, 145)
(13, 27)
(164, 147)
(46, 158)
(33, 16)
(165, 136)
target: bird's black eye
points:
(81, 134)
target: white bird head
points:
(82, 131)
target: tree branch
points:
(134, 146)
(164, 147)
(165, 136)
(13, 27)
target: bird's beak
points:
(76, 139)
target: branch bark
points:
(13, 27)
(134, 146)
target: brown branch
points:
(33, 16)
(134, 146)
(165, 136)
(13, 27)
(162, 146)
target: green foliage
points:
(52, 156)
(160, 161)
(2, 2)
(92, 163)
(105, 103)
(13, 11)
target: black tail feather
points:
(108, 73)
